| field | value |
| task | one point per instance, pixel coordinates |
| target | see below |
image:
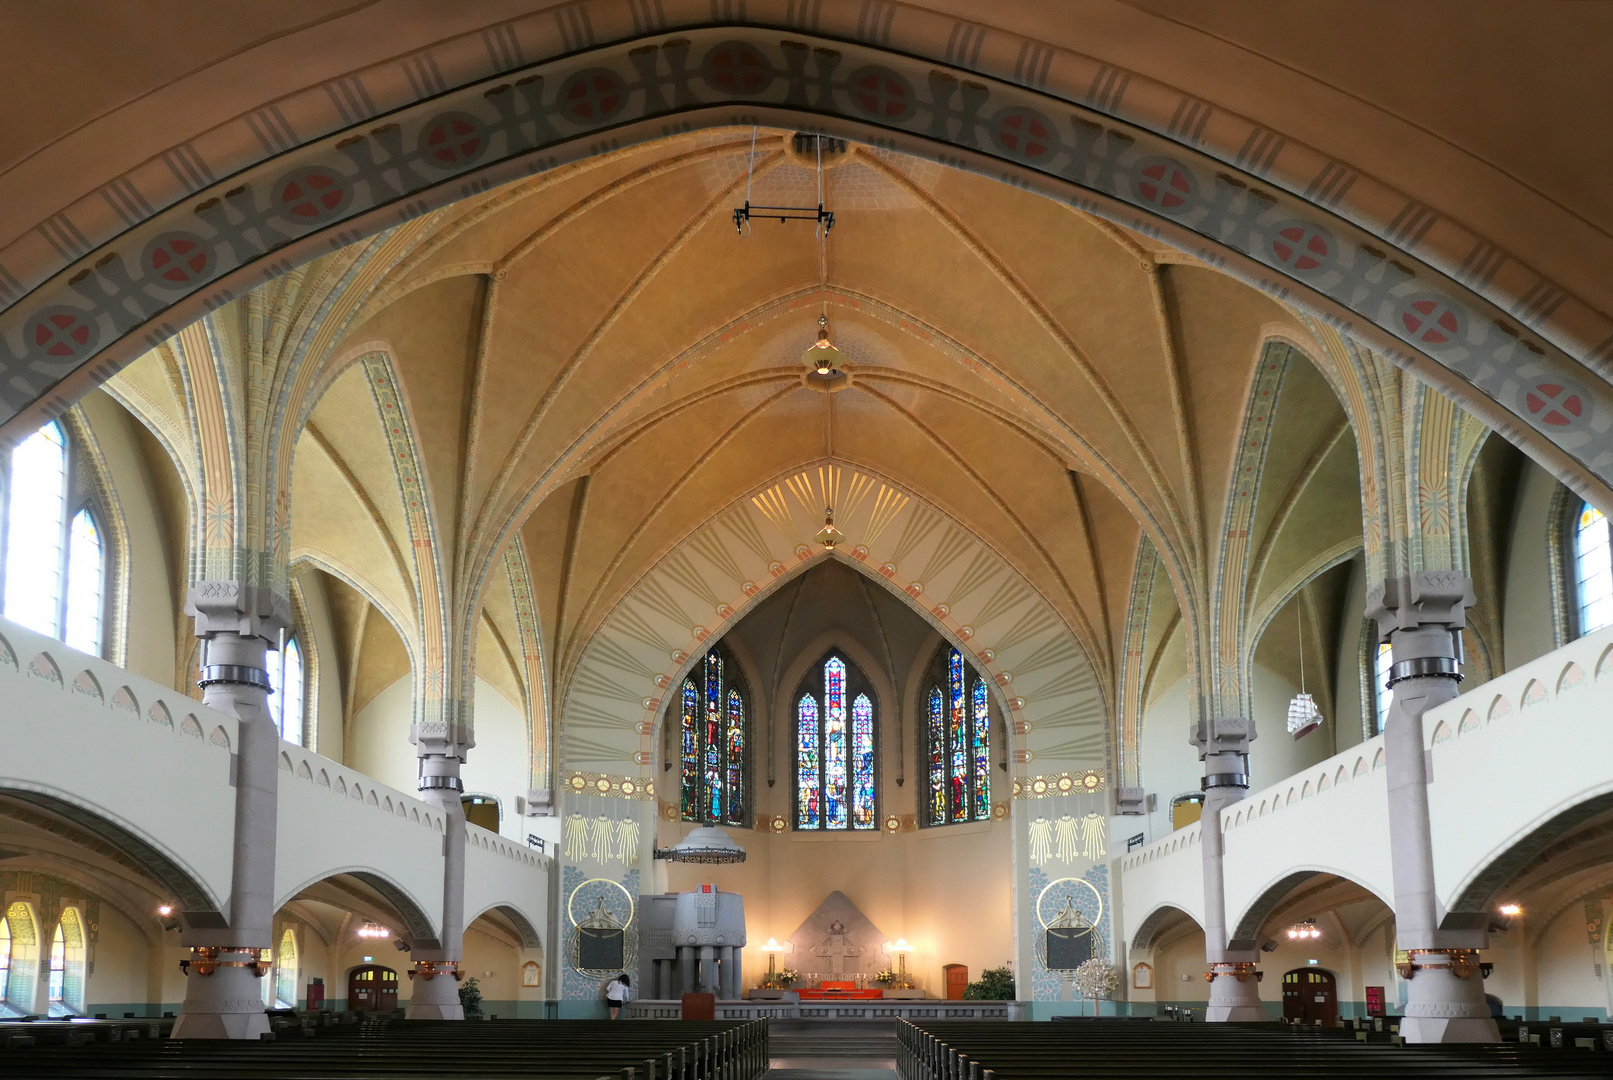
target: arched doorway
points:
(372, 988)
(1310, 995)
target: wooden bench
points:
(1143, 1051)
(547, 1049)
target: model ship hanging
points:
(1303, 715)
(823, 220)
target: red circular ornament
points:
(735, 67)
(177, 258)
(593, 96)
(312, 195)
(452, 140)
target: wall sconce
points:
(165, 913)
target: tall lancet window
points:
(715, 738)
(957, 741)
(287, 692)
(834, 748)
(54, 564)
(1593, 570)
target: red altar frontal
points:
(839, 991)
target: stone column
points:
(1223, 746)
(436, 972)
(1421, 615)
(223, 977)
(686, 969)
(708, 969)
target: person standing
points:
(618, 993)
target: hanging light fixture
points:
(829, 536)
(822, 356)
(371, 929)
(1303, 715)
(1304, 931)
(707, 844)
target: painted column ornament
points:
(223, 994)
(1421, 616)
(1223, 746)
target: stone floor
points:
(833, 1050)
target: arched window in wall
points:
(834, 748)
(285, 972)
(5, 961)
(54, 557)
(1378, 672)
(67, 966)
(957, 741)
(714, 742)
(21, 938)
(1592, 569)
(287, 696)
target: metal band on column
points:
(236, 675)
(1425, 667)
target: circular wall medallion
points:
(601, 888)
(1081, 893)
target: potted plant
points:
(470, 998)
(994, 984)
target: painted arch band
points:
(78, 327)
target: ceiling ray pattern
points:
(689, 597)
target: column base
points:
(223, 996)
(436, 991)
(1445, 999)
(1234, 994)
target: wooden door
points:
(957, 977)
(1310, 995)
(372, 988)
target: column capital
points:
(1222, 735)
(1421, 598)
(231, 607)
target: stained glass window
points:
(957, 736)
(285, 972)
(834, 749)
(714, 734)
(53, 564)
(1593, 570)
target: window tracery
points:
(957, 741)
(834, 748)
(714, 739)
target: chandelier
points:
(1304, 931)
(371, 929)
(706, 844)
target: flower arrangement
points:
(780, 980)
(1096, 979)
(885, 978)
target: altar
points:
(840, 990)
